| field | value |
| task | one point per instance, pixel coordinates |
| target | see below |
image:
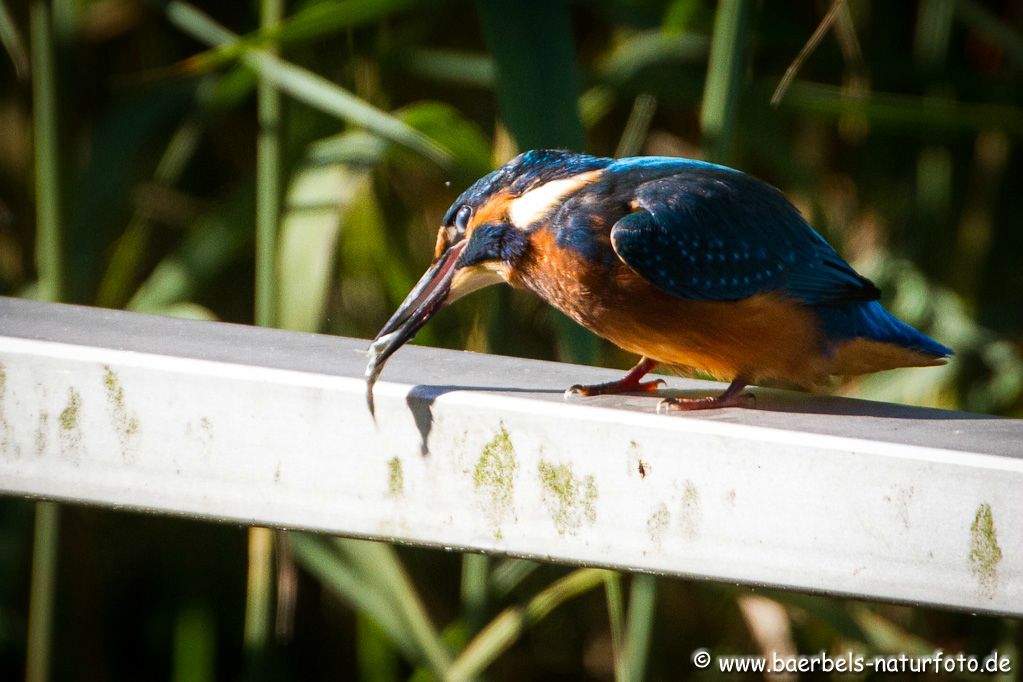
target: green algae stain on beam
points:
(127, 425)
(985, 552)
(69, 415)
(494, 478)
(395, 477)
(689, 515)
(658, 523)
(42, 428)
(571, 501)
(70, 429)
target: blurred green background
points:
(287, 164)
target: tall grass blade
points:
(509, 625)
(827, 611)
(309, 23)
(934, 170)
(195, 642)
(719, 110)
(538, 92)
(333, 191)
(624, 62)
(50, 266)
(933, 33)
(595, 104)
(640, 625)
(318, 200)
(896, 111)
(380, 564)
(475, 589)
(469, 148)
(1009, 645)
(509, 574)
(217, 238)
(616, 619)
(259, 601)
(808, 48)
(122, 275)
(49, 242)
(305, 86)
(637, 127)
(462, 68)
(269, 161)
(375, 654)
(269, 180)
(12, 42)
(887, 637)
(538, 80)
(42, 591)
(318, 556)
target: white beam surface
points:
(258, 426)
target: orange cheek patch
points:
(442, 243)
(494, 211)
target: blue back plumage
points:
(662, 163)
(706, 232)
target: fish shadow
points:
(421, 398)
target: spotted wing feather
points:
(719, 235)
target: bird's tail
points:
(867, 338)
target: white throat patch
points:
(536, 203)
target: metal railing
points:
(258, 426)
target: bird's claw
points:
(651, 386)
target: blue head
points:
(484, 235)
(514, 197)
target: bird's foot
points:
(708, 403)
(630, 383)
(613, 387)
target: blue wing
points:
(711, 233)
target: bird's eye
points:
(462, 218)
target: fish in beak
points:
(462, 264)
(426, 298)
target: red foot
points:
(732, 397)
(611, 387)
(708, 403)
(630, 383)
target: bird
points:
(688, 264)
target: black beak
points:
(422, 303)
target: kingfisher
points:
(685, 263)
